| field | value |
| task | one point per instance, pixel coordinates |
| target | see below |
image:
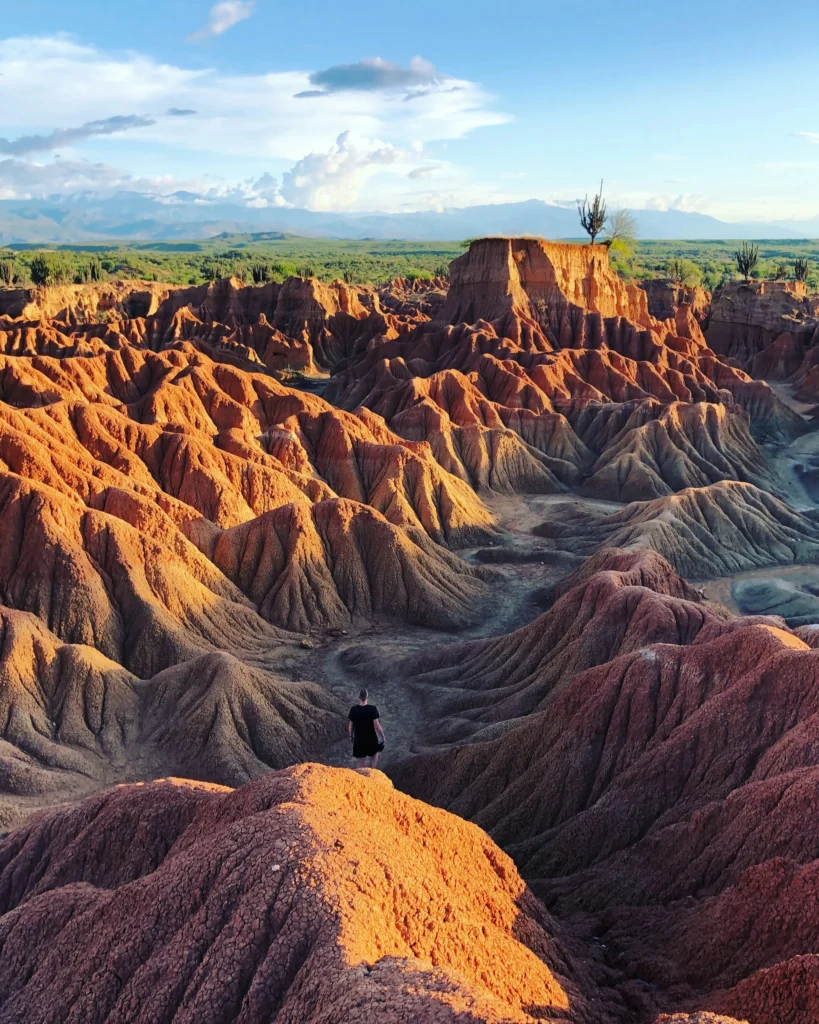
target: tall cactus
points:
(747, 258)
(593, 215)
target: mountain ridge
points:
(87, 217)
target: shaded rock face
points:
(544, 371)
(704, 532)
(649, 763)
(308, 895)
(498, 276)
(77, 720)
(765, 326)
(171, 525)
(666, 300)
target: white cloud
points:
(332, 180)
(25, 179)
(684, 202)
(223, 16)
(812, 137)
(254, 116)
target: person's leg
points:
(374, 761)
(361, 761)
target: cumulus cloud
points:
(26, 179)
(256, 193)
(372, 74)
(248, 121)
(239, 116)
(685, 202)
(68, 136)
(812, 137)
(223, 16)
(332, 180)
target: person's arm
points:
(379, 730)
(350, 729)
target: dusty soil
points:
(516, 600)
(522, 579)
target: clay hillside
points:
(564, 528)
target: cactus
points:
(747, 258)
(593, 215)
(8, 275)
(260, 273)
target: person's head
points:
(362, 696)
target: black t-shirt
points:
(362, 716)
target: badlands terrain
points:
(565, 529)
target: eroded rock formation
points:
(539, 349)
(704, 532)
(310, 895)
(763, 324)
(647, 760)
(182, 529)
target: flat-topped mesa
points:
(499, 276)
(747, 318)
(81, 303)
(294, 325)
(227, 300)
(665, 298)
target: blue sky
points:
(708, 106)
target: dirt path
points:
(364, 658)
(797, 463)
(515, 601)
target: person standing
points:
(364, 727)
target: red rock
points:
(309, 895)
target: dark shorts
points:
(366, 747)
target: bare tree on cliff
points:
(800, 269)
(622, 228)
(593, 215)
(747, 258)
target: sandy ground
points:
(791, 590)
(797, 463)
(515, 597)
(514, 603)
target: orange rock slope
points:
(543, 370)
(172, 524)
(178, 519)
(648, 761)
(312, 895)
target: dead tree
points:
(593, 215)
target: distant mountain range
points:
(133, 216)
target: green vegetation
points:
(267, 257)
(684, 272)
(254, 259)
(716, 260)
(8, 273)
(747, 258)
(47, 268)
(622, 240)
